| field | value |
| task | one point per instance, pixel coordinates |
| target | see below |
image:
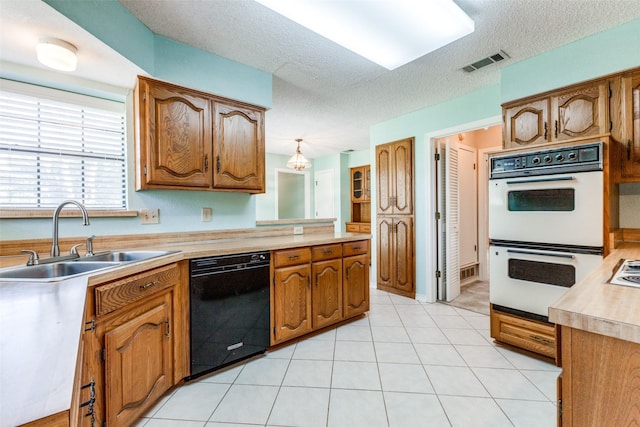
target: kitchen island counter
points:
(593, 305)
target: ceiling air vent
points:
(486, 61)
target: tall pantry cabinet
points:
(394, 217)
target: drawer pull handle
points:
(327, 251)
(148, 285)
(294, 256)
(356, 248)
(540, 339)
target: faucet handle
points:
(74, 249)
(33, 256)
(90, 245)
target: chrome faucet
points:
(55, 249)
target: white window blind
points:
(56, 145)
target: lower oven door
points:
(563, 209)
(530, 280)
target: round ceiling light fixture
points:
(57, 54)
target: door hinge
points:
(145, 170)
(437, 157)
(103, 355)
(475, 248)
(90, 325)
(610, 126)
(438, 274)
(560, 408)
(144, 96)
(437, 216)
(167, 329)
(474, 166)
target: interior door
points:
(449, 220)
(323, 194)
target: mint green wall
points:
(598, 55)
(359, 158)
(112, 23)
(167, 59)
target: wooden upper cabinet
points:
(361, 184)
(394, 168)
(526, 124)
(630, 141)
(580, 111)
(191, 140)
(238, 148)
(173, 137)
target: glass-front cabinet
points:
(360, 200)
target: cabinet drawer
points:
(365, 228)
(524, 333)
(291, 257)
(114, 295)
(352, 228)
(319, 253)
(355, 248)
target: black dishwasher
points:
(229, 310)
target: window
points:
(57, 145)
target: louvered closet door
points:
(449, 239)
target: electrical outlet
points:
(298, 230)
(149, 216)
(205, 214)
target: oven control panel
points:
(579, 158)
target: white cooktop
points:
(628, 273)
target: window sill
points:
(48, 213)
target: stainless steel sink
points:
(124, 256)
(54, 271)
(65, 269)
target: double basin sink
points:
(61, 270)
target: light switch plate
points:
(298, 230)
(205, 214)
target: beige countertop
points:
(593, 305)
(41, 322)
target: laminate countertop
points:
(594, 305)
(41, 323)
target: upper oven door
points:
(565, 209)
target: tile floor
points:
(406, 364)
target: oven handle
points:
(516, 251)
(524, 181)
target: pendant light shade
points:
(57, 54)
(298, 161)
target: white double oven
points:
(545, 225)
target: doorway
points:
(460, 183)
(292, 199)
(324, 194)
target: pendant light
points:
(298, 161)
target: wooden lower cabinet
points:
(358, 227)
(600, 380)
(396, 265)
(316, 287)
(326, 292)
(532, 335)
(134, 350)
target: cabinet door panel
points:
(580, 112)
(403, 172)
(177, 135)
(356, 285)
(385, 258)
(292, 302)
(631, 138)
(526, 124)
(326, 292)
(384, 170)
(138, 366)
(403, 245)
(238, 148)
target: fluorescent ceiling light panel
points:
(390, 33)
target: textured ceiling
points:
(326, 94)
